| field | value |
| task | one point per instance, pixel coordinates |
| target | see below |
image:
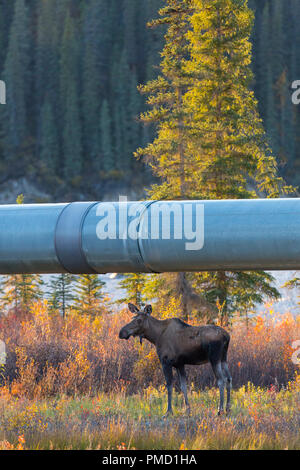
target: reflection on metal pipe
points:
(150, 236)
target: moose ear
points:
(148, 309)
(133, 308)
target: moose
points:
(179, 344)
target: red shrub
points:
(47, 355)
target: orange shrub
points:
(48, 355)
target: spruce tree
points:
(130, 11)
(265, 88)
(107, 160)
(126, 109)
(46, 78)
(96, 50)
(294, 165)
(210, 142)
(234, 160)
(133, 284)
(88, 294)
(6, 14)
(60, 293)
(58, 85)
(17, 75)
(235, 155)
(168, 155)
(70, 104)
(21, 291)
(293, 283)
(49, 150)
(154, 39)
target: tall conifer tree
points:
(168, 156)
(70, 102)
(60, 292)
(133, 284)
(17, 75)
(210, 142)
(232, 153)
(21, 290)
(89, 294)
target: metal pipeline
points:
(151, 236)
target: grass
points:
(72, 384)
(260, 419)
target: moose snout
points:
(124, 334)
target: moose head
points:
(139, 323)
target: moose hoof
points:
(168, 414)
(220, 412)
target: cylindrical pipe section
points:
(150, 236)
(27, 238)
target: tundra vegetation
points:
(70, 383)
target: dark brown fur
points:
(179, 344)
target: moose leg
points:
(183, 386)
(168, 373)
(217, 369)
(228, 384)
